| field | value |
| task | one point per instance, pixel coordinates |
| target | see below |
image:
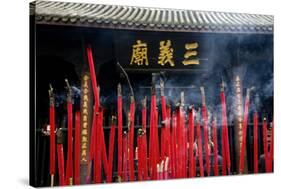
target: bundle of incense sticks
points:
(205, 129)
(164, 121)
(244, 134)
(215, 139)
(52, 135)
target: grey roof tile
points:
(131, 17)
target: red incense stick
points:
(77, 149)
(173, 146)
(191, 141)
(120, 125)
(215, 139)
(225, 141)
(125, 157)
(144, 142)
(52, 135)
(131, 140)
(111, 149)
(256, 152)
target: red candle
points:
(111, 149)
(120, 125)
(214, 126)
(244, 134)
(198, 133)
(77, 149)
(256, 152)
(52, 135)
(191, 141)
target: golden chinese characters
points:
(139, 55)
(191, 53)
(85, 118)
(166, 53)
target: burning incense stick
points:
(120, 125)
(265, 145)
(225, 141)
(271, 150)
(69, 163)
(205, 129)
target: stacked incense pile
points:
(171, 142)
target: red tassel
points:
(256, 152)
(214, 126)
(201, 168)
(244, 134)
(77, 149)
